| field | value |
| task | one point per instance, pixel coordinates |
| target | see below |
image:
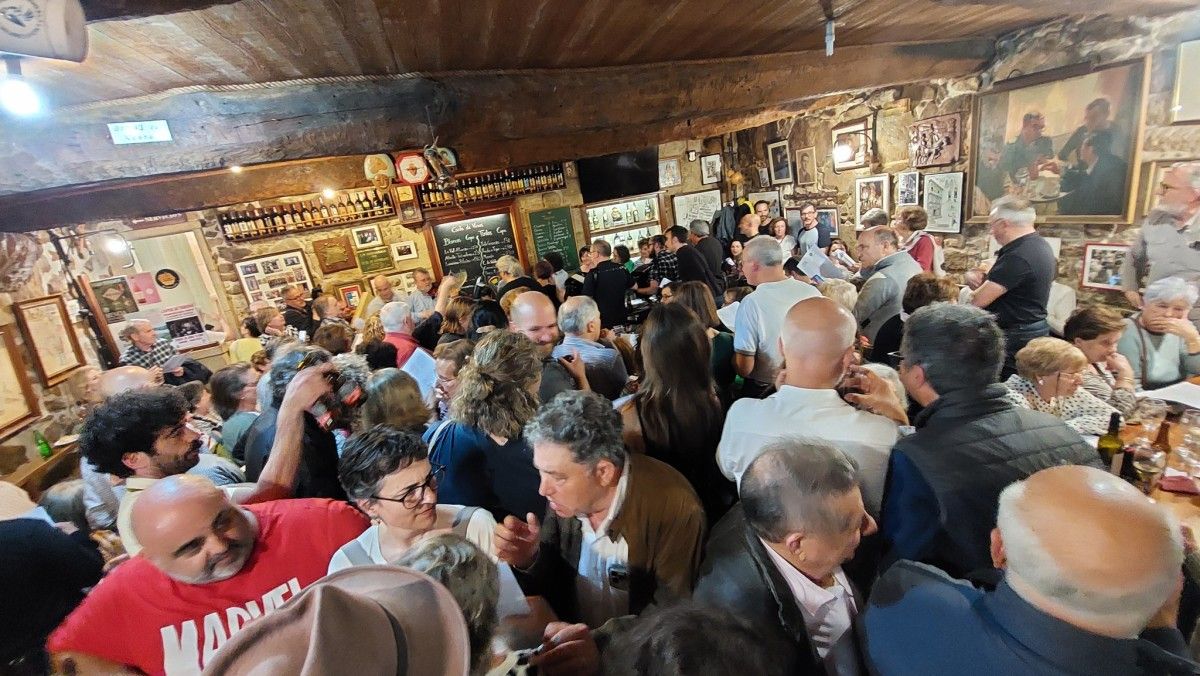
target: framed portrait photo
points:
(935, 141)
(908, 188)
(944, 201)
(1067, 140)
(871, 192)
(710, 169)
(806, 166)
(850, 143)
(366, 236)
(779, 162)
(49, 337)
(18, 406)
(1185, 100)
(668, 173)
(1102, 265)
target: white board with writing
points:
(696, 205)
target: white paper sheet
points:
(1184, 393)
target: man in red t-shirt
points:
(207, 568)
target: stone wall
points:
(1035, 50)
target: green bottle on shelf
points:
(43, 446)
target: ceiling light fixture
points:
(328, 193)
(237, 168)
(16, 96)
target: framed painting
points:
(1185, 100)
(373, 260)
(935, 141)
(1102, 265)
(1067, 140)
(710, 169)
(944, 201)
(908, 188)
(851, 144)
(829, 220)
(50, 337)
(334, 254)
(771, 197)
(871, 192)
(779, 162)
(18, 406)
(668, 173)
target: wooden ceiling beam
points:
(491, 119)
(106, 10)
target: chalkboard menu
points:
(552, 231)
(474, 244)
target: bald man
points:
(533, 314)
(207, 568)
(817, 341)
(381, 286)
(1090, 564)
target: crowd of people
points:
(879, 476)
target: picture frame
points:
(264, 277)
(779, 162)
(695, 205)
(50, 337)
(18, 405)
(935, 141)
(404, 250)
(858, 134)
(1028, 136)
(806, 166)
(334, 254)
(668, 173)
(1185, 100)
(374, 260)
(944, 201)
(1102, 265)
(772, 197)
(830, 219)
(115, 298)
(710, 169)
(908, 188)
(350, 293)
(366, 236)
(871, 192)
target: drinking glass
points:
(1150, 413)
(1189, 421)
(1149, 464)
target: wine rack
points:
(347, 207)
(494, 185)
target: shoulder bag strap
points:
(462, 520)
(357, 554)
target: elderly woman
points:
(839, 291)
(488, 462)
(909, 224)
(387, 474)
(393, 398)
(1096, 330)
(1048, 378)
(1162, 346)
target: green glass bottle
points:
(43, 446)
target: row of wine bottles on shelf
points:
(265, 221)
(495, 185)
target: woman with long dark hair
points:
(676, 415)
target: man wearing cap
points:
(207, 568)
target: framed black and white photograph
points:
(806, 166)
(779, 162)
(404, 250)
(710, 169)
(273, 273)
(944, 201)
(871, 192)
(908, 188)
(1102, 265)
(366, 236)
(668, 173)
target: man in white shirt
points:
(818, 339)
(384, 292)
(776, 558)
(760, 315)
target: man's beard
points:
(183, 463)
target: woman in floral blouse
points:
(1048, 378)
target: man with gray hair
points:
(776, 558)
(579, 321)
(1168, 244)
(760, 315)
(712, 251)
(397, 321)
(880, 297)
(1091, 586)
(622, 531)
(944, 480)
(146, 349)
(1018, 285)
(328, 309)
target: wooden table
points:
(1186, 507)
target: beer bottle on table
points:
(1110, 444)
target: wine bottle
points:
(1163, 441)
(1110, 444)
(324, 209)
(376, 203)
(387, 201)
(360, 203)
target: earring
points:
(1041, 381)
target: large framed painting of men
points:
(1067, 140)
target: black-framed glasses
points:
(415, 495)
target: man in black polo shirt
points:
(606, 284)
(692, 267)
(709, 247)
(1018, 285)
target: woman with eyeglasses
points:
(387, 474)
(1049, 376)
